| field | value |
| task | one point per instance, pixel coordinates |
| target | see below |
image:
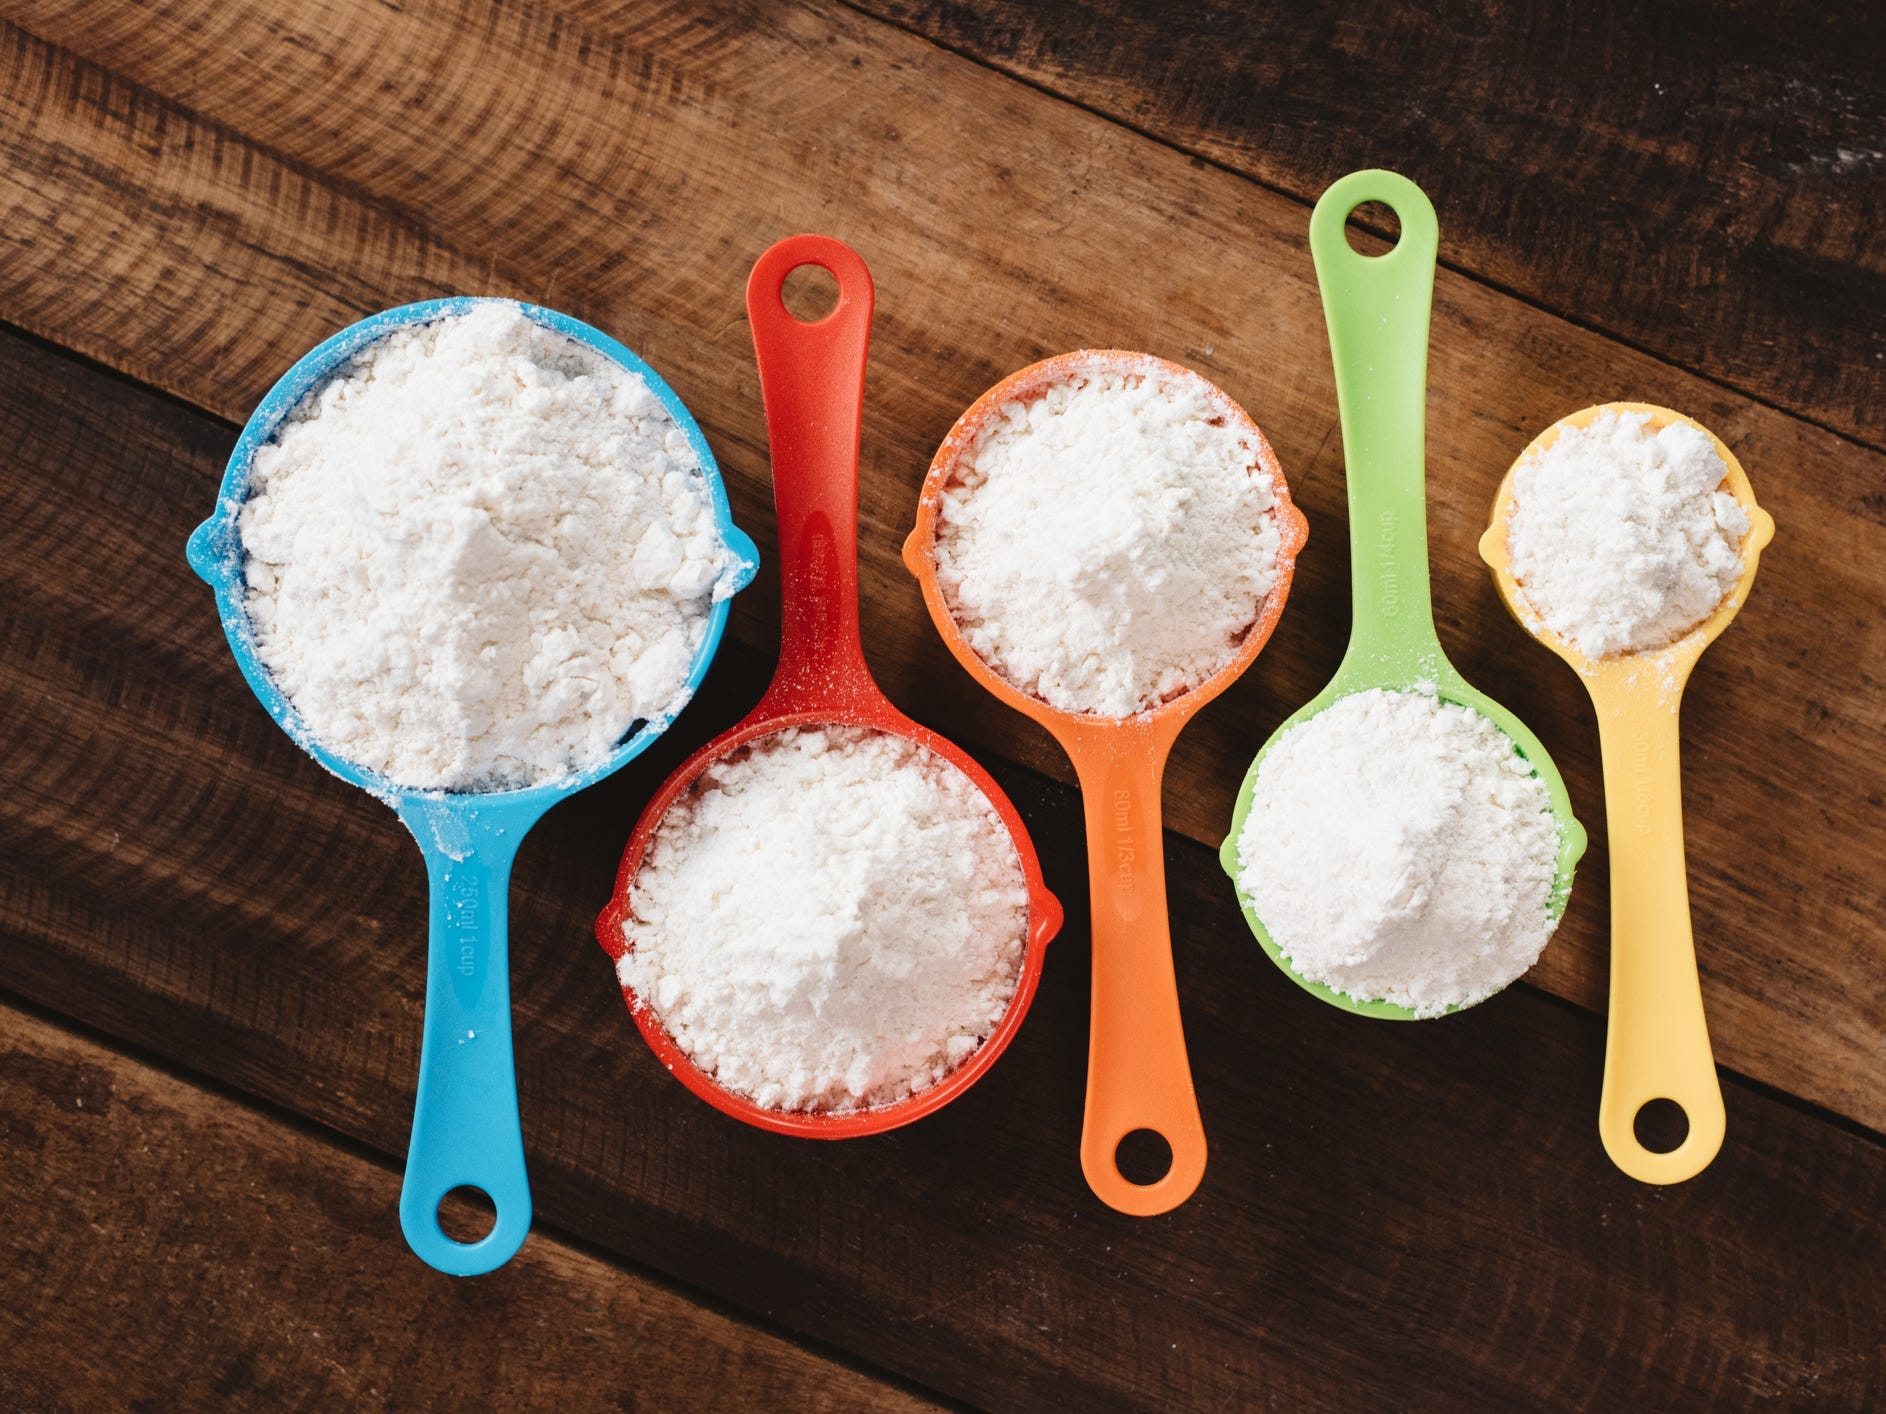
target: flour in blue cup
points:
(479, 554)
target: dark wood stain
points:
(173, 1250)
(1705, 181)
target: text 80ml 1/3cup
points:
(466, 1130)
(812, 379)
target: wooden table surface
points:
(211, 952)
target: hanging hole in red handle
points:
(789, 287)
(810, 293)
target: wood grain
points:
(195, 194)
(1707, 182)
(167, 1248)
(1418, 1216)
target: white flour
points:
(1107, 545)
(1398, 848)
(1623, 539)
(831, 920)
(480, 554)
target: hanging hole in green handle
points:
(1368, 225)
(466, 1214)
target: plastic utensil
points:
(812, 379)
(1658, 1045)
(1138, 1077)
(1377, 308)
(466, 1131)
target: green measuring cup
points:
(1377, 308)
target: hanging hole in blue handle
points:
(467, 1215)
(1369, 221)
(438, 1228)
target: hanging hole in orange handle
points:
(1139, 1170)
(1143, 1157)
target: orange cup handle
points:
(1138, 1076)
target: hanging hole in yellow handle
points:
(1661, 1126)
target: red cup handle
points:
(812, 378)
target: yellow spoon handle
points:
(1658, 1047)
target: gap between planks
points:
(323, 1200)
(1100, 83)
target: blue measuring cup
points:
(466, 1131)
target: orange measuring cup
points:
(812, 379)
(1138, 1077)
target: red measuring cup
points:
(812, 378)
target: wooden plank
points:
(1415, 1215)
(1706, 185)
(196, 194)
(166, 1247)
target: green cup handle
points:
(1377, 308)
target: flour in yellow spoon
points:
(1623, 537)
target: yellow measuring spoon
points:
(1658, 1046)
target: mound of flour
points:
(1623, 538)
(479, 554)
(1399, 849)
(1107, 545)
(830, 920)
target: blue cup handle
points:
(466, 1131)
